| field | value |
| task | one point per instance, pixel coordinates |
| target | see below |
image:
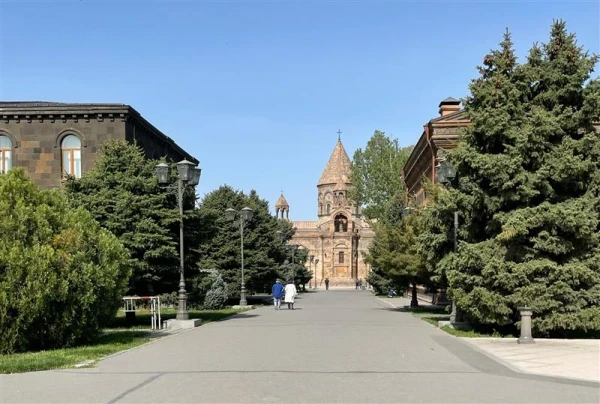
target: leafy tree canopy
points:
(377, 176)
(61, 276)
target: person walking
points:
(277, 292)
(326, 283)
(290, 294)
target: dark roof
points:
(33, 104)
(449, 101)
(46, 107)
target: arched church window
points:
(341, 223)
(328, 208)
(341, 257)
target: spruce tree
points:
(528, 191)
(122, 194)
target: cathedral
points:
(337, 240)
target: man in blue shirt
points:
(277, 292)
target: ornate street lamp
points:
(245, 216)
(188, 176)
(446, 174)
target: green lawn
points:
(489, 332)
(63, 358)
(118, 337)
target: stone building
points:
(51, 139)
(439, 135)
(340, 235)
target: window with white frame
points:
(5, 154)
(71, 155)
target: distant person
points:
(277, 292)
(360, 285)
(290, 294)
(326, 283)
(356, 282)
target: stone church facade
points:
(340, 236)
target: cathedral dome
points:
(338, 168)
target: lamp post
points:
(315, 261)
(290, 247)
(188, 176)
(245, 216)
(311, 259)
(446, 174)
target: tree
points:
(217, 296)
(376, 176)
(263, 250)
(61, 276)
(122, 194)
(296, 270)
(529, 182)
(395, 254)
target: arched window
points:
(5, 154)
(341, 257)
(328, 208)
(341, 223)
(71, 155)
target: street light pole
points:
(245, 215)
(446, 174)
(188, 175)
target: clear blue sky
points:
(257, 90)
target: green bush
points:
(61, 276)
(217, 295)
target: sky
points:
(257, 90)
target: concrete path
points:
(338, 346)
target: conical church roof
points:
(338, 168)
(281, 202)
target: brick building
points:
(51, 139)
(340, 235)
(439, 135)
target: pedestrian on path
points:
(277, 292)
(326, 283)
(290, 294)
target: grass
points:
(118, 337)
(68, 357)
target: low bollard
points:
(525, 337)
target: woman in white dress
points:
(290, 294)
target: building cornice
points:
(73, 112)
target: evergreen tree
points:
(528, 193)
(217, 296)
(263, 250)
(122, 194)
(395, 255)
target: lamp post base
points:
(182, 313)
(243, 301)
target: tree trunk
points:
(414, 302)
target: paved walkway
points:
(338, 346)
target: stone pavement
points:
(573, 359)
(340, 346)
